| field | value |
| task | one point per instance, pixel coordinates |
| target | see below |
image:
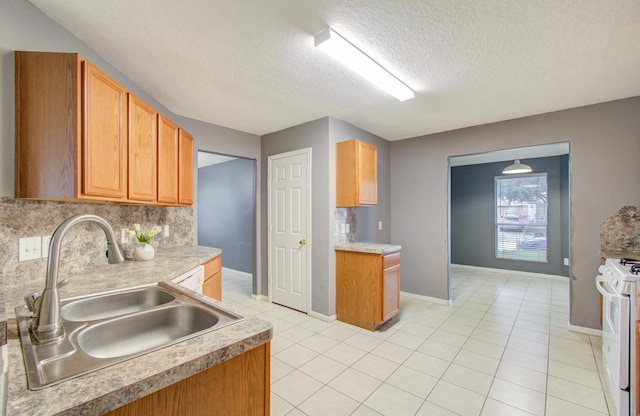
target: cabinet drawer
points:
(212, 267)
(390, 260)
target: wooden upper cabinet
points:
(168, 161)
(47, 87)
(356, 174)
(103, 134)
(143, 154)
(185, 170)
(80, 135)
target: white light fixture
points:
(516, 167)
(342, 50)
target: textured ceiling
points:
(251, 65)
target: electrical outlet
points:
(46, 240)
(166, 230)
(379, 225)
(29, 248)
(123, 236)
(343, 228)
(347, 228)
(566, 261)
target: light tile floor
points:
(501, 349)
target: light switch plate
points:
(46, 240)
(347, 228)
(166, 230)
(29, 248)
(379, 225)
(123, 236)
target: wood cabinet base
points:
(237, 387)
(367, 288)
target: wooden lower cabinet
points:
(367, 288)
(237, 387)
(637, 392)
(212, 285)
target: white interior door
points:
(289, 229)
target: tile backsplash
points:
(84, 245)
(345, 216)
(621, 231)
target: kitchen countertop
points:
(375, 248)
(620, 254)
(112, 387)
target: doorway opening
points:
(227, 216)
(487, 229)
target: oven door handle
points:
(600, 286)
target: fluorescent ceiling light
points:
(342, 50)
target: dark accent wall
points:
(226, 211)
(473, 214)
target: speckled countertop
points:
(620, 254)
(375, 248)
(107, 389)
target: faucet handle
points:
(30, 300)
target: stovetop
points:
(620, 276)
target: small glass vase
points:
(144, 252)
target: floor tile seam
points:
(578, 382)
(495, 376)
(288, 402)
(579, 403)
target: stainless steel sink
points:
(144, 331)
(114, 304)
(108, 328)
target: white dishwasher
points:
(193, 279)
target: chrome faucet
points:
(48, 327)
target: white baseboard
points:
(427, 298)
(488, 269)
(584, 330)
(326, 318)
(260, 297)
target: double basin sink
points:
(107, 328)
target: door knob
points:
(303, 242)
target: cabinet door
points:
(391, 297)
(167, 161)
(391, 286)
(103, 135)
(367, 174)
(212, 287)
(143, 139)
(185, 175)
(356, 174)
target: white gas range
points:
(617, 284)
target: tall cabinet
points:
(80, 135)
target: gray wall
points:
(604, 174)
(473, 214)
(367, 217)
(322, 135)
(315, 135)
(226, 211)
(24, 27)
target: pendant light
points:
(517, 167)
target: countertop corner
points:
(374, 248)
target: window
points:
(521, 217)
